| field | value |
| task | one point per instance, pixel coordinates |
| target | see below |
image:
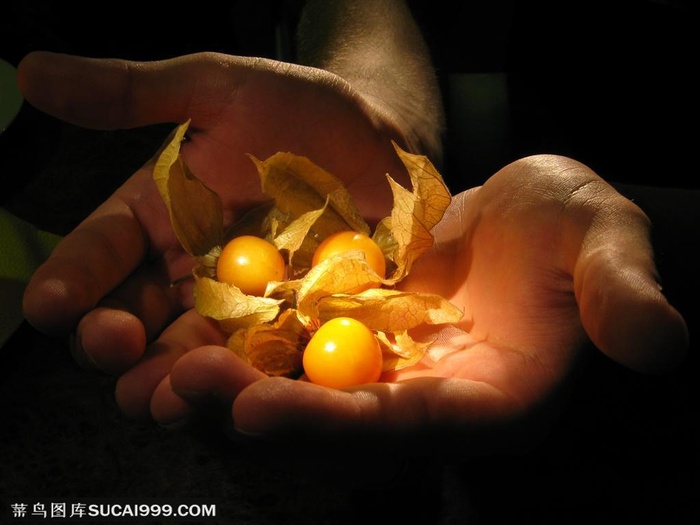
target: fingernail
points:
(235, 433)
(81, 356)
(175, 423)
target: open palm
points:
(543, 258)
(109, 280)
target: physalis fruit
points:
(348, 241)
(343, 352)
(323, 278)
(250, 263)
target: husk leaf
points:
(231, 307)
(275, 349)
(306, 205)
(389, 310)
(195, 210)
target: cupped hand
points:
(545, 258)
(109, 280)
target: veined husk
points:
(306, 205)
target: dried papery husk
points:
(306, 205)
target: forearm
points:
(376, 46)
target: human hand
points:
(560, 258)
(543, 258)
(109, 280)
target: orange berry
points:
(343, 352)
(346, 241)
(250, 263)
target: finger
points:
(110, 341)
(119, 94)
(623, 308)
(203, 379)
(101, 253)
(405, 417)
(169, 409)
(84, 266)
(603, 243)
(136, 387)
(212, 371)
(99, 93)
(113, 336)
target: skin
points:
(544, 258)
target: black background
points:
(608, 83)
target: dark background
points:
(608, 83)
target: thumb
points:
(622, 306)
(120, 94)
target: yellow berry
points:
(346, 241)
(343, 352)
(250, 263)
